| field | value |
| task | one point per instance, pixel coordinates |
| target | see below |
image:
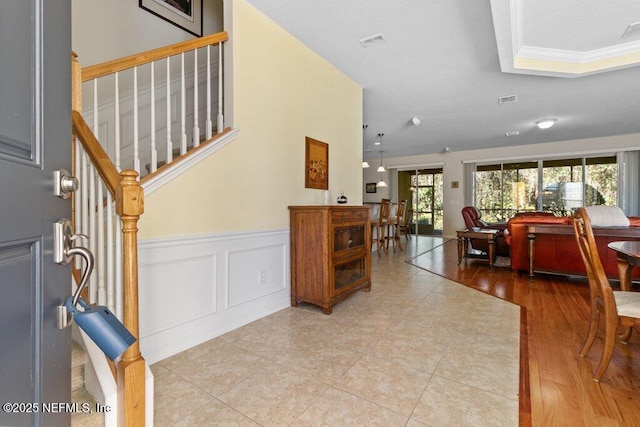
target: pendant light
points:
(381, 169)
(365, 164)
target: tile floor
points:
(417, 350)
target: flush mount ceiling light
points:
(546, 123)
(416, 120)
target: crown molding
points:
(515, 57)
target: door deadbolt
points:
(64, 183)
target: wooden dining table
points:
(628, 253)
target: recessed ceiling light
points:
(546, 123)
(512, 133)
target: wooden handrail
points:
(110, 67)
(98, 156)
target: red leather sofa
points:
(557, 252)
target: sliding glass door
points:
(422, 188)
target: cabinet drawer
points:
(349, 215)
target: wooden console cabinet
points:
(330, 253)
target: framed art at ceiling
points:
(316, 164)
(186, 14)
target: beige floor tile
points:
(422, 354)
(222, 373)
(448, 403)
(157, 370)
(338, 408)
(325, 363)
(175, 398)
(275, 396)
(417, 350)
(191, 354)
(215, 413)
(386, 383)
(493, 374)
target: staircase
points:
(79, 393)
(139, 127)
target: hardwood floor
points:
(554, 325)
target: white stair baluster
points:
(99, 254)
(208, 123)
(119, 293)
(220, 116)
(84, 190)
(92, 231)
(169, 142)
(136, 148)
(117, 123)
(183, 108)
(195, 137)
(154, 151)
(109, 249)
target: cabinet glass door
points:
(348, 272)
(348, 237)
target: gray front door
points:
(35, 132)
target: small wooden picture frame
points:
(316, 164)
(371, 187)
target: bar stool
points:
(380, 226)
(395, 225)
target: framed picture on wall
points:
(316, 164)
(186, 14)
(371, 187)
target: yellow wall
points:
(282, 92)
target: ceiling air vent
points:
(373, 40)
(507, 99)
(512, 133)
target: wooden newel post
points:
(131, 368)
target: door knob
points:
(64, 183)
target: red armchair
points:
(473, 219)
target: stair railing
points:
(147, 106)
(111, 223)
(130, 106)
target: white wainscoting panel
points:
(252, 273)
(195, 288)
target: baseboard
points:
(195, 288)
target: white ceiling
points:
(442, 60)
